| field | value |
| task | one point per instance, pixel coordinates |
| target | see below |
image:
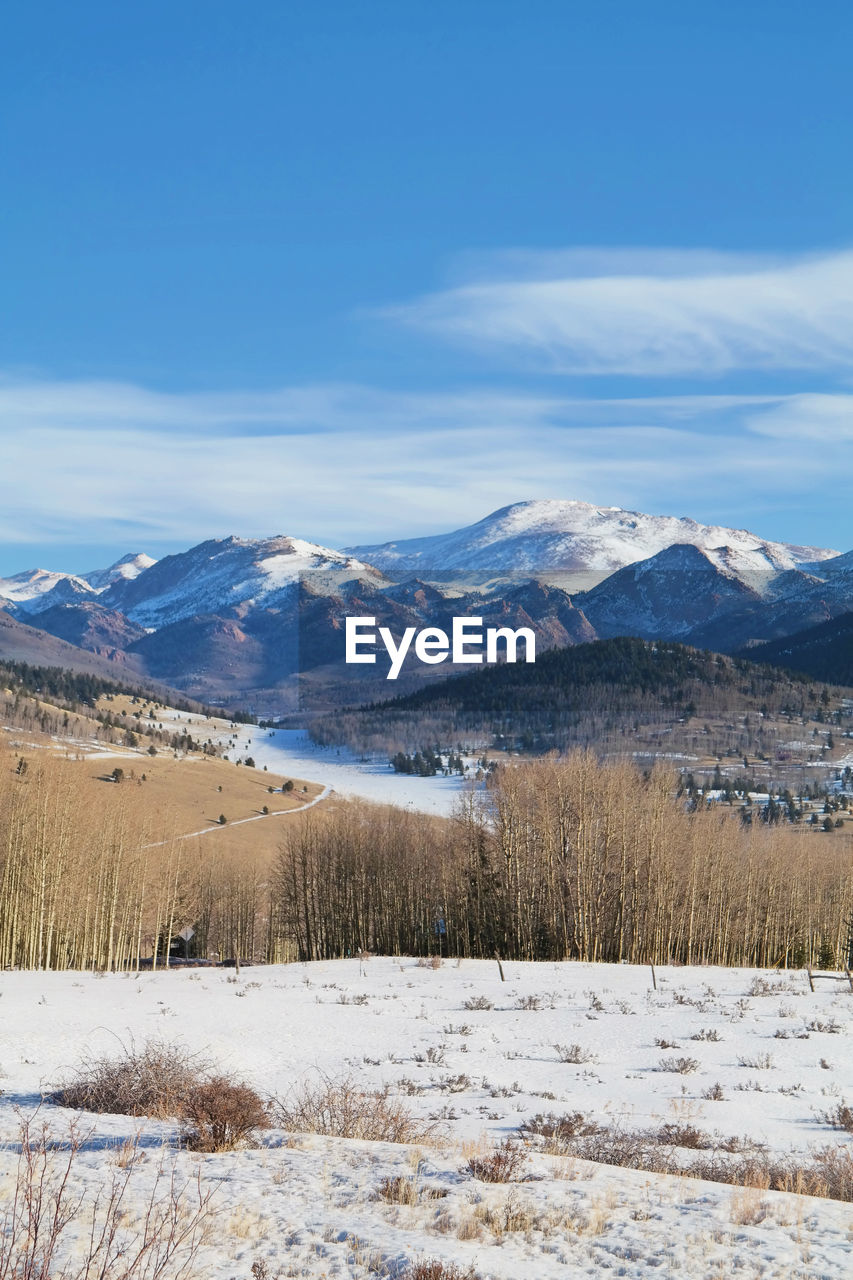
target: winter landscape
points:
(708, 1070)
(426, 641)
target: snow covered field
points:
(290, 752)
(767, 1059)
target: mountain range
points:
(259, 622)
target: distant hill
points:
(601, 694)
(824, 652)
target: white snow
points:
(308, 1206)
(571, 535)
(291, 752)
(224, 574)
(128, 568)
(30, 585)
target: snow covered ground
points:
(291, 753)
(478, 1056)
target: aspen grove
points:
(561, 858)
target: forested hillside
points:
(824, 652)
(593, 694)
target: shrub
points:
(681, 1066)
(339, 1108)
(502, 1164)
(827, 1172)
(558, 1132)
(682, 1135)
(840, 1117)
(409, 1191)
(434, 1269)
(46, 1216)
(155, 1081)
(477, 1003)
(761, 1062)
(222, 1113)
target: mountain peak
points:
(551, 534)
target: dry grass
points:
(574, 1054)
(340, 1108)
(407, 1191)
(826, 1173)
(181, 796)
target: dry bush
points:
(340, 1108)
(502, 1164)
(683, 1135)
(840, 1117)
(167, 1081)
(826, 1173)
(153, 1081)
(557, 1133)
(831, 1028)
(222, 1113)
(50, 1229)
(760, 1062)
(574, 1054)
(681, 1066)
(477, 1002)
(435, 1269)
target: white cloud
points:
(821, 419)
(660, 313)
(119, 464)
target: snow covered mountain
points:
(126, 569)
(38, 589)
(27, 589)
(534, 537)
(672, 593)
(234, 576)
(240, 619)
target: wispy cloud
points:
(122, 464)
(656, 314)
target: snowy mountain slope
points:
(25, 590)
(576, 536)
(36, 589)
(673, 592)
(235, 575)
(128, 568)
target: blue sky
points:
(360, 270)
